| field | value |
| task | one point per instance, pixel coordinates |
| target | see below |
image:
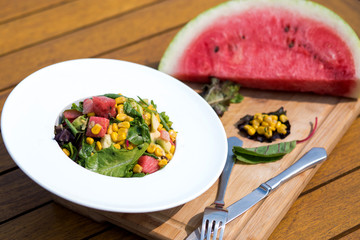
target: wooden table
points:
(38, 33)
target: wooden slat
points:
(19, 196)
(306, 225)
(115, 233)
(336, 164)
(86, 42)
(56, 21)
(20, 8)
(6, 162)
(50, 222)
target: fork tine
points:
(203, 226)
(216, 229)
(208, 230)
(222, 230)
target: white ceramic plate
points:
(33, 106)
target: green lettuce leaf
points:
(114, 162)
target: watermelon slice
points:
(71, 114)
(149, 164)
(103, 122)
(284, 45)
(104, 106)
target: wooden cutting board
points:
(335, 116)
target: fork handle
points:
(224, 178)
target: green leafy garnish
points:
(263, 154)
(114, 162)
(76, 107)
(220, 94)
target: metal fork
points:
(215, 215)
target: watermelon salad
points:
(117, 136)
(295, 45)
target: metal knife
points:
(309, 160)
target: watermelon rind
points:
(170, 59)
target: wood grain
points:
(45, 32)
(10, 10)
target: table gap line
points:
(329, 181)
(80, 28)
(26, 212)
(346, 232)
(99, 232)
(2, 173)
(27, 14)
(138, 41)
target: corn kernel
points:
(268, 133)
(259, 117)
(121, 116)
(67, 153)
(120, 108)
(261, 130)
(137, 168)
(267, 119)
(117, 146)
(147, 118)
(96, 129)
(274, 117)
(121, 136)
(272, 126)
(114, 136)
(158, 117)
(125, 124)
(130, 147)
(283, 118)
(114, 127)
(265, 124)
(255, 122)
(120, 100)
(90, 114)
(162, 163)
(129, 119)
(173, 135)
(169, 156)
(109, 130)
(151, 107)
(98, 145)
(151, 148)
(278, 124)
(159, 152)
(281, 129)
(172, 149)
(161, 127)
(89, 140)
(123, 130)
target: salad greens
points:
(220, 94)
(117, 136)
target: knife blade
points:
(309, 160)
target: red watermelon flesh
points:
(71, 114)
(104, 106)
(103, 122)
(88, 106)
(270, 47)
(148, 164)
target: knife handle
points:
(309, 160)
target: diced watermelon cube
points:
(88, 106)
(103, 122)
(148, 164)
(165, 135)
(71, 114)
(104, 106)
